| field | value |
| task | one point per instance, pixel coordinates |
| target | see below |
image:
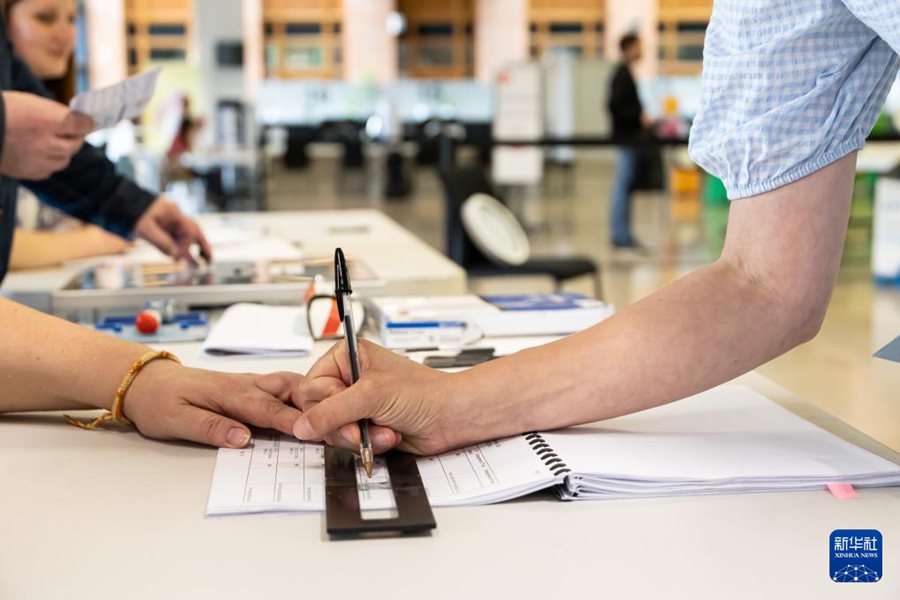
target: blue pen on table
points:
(342, 291)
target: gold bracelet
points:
(116, 413)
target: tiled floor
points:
(569, 215)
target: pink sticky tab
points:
(844, 491)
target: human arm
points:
(766, 294)
(36, 249)
(88, 189)
(78, 178)
(49, 364)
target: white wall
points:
(501, 35)
(106, 44)
(215, 21)
(254, 67)
(370, 54)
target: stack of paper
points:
(726, 440)
(261, 331)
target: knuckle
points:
(301, 392)
(274, 409)
(211, 427)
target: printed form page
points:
(277, 473)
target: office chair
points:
(459, 184)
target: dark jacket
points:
(625, 107)
(88, 188)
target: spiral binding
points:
(546, 454)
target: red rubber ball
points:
(146, 322)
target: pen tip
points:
(368, 459)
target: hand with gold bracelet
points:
(49, 364)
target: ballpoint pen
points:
(342, 291)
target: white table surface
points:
(109, 514)
(402, 263)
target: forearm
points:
(36, 249)
(49, 364)
(90, 190)
(766, 294)
(698, 332)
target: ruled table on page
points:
(276, 472)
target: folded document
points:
(261, 331)
(726, 440)
(124, 100)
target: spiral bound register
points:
(546, 454)
(727, 440)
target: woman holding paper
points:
(43, 149)
(42, 33)
(784, 111)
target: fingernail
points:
(382, 438)
(237, 437)
(303, 430)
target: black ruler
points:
(343, 518)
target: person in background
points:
(629, 121)
(188, 130)
(42, 33)
(179, 163)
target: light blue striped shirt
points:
(790, 86)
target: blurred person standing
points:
(629, 122)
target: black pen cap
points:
(341, 279)
(341, 273)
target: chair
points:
(459, 184)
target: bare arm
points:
(35, 249)
(49, 364)
(766, 294)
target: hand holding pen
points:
(342, 291)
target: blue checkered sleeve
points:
(790, 86)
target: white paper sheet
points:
(260, 330)
(124, 100)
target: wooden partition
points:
(577, 26)
(157, 30)
(439, 39)
(302, 39)
(682, 30)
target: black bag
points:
(648, 175)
